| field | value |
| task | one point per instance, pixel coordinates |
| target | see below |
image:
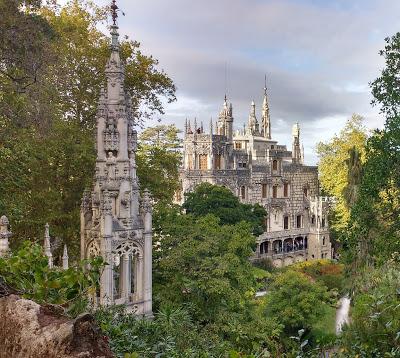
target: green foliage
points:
(374, 229)
(334, 174)
(27, 271)
(375, 319)
(158, 161)
(295, 301)
(222, 203)
(171, 333)
(47, 115)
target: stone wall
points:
(29, 330)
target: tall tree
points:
(335, 174)
(374, 230)
(158, 161)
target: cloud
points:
(319, 57)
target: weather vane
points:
(114, 12)
(114, 9)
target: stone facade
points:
(116, 222)
(259, 170)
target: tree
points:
(46, 133)
(222, 203)
(374, 229)
(83, 52)
(203, 263)
(335, 175)
(295, 301)
(158, 161)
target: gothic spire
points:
(47, 248)
(65, 258)
(266, 120)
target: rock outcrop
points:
(28, 329)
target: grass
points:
(324, 330)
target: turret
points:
(5, 234)
(296, 149)
(225, 120)
(253, 126)
(46, 246)
(65, 263)
(265, 117)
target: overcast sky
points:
(319, 56)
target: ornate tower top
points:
(253, 123)
(265, 118)
(114, 14)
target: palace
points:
(259, 170)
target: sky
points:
(318, 55)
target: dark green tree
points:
(222, 203)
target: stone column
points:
(107, 279)
(65, 258)
(139, 277)
(125, 277)
(148, 246)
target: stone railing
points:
(283, 234)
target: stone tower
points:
(115, 222)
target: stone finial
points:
(5, 234)
(47, 247)
(65, 263)
(147, 206)
(211, 126)
(186, 126)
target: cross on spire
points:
(114, 14)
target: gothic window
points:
(286, 222)
(217, 161)
(275, 191)
(274, 164)
(243, 192)
(286, 190)
(323, 222)
(305, 192)
(203, 161)
(313, 219)
(298, 221)
(323, 240)
(264, 190)
(190, 162)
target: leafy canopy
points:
(222, 203)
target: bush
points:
(27, 271)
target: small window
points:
(264, 190)
(313, 219)
(190, 162)
(323, 240)
(272, 147)
(275, 191)
(305, 192)
(286, 190)
(243, 192)
(217, 161)
(238, 145)
(286, 222)
(323, 222)
(203, 161)
(298, 221)
(274, 165)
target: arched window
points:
(286, 190)
(275, 191)
(286, 222)
(323, 240)
(274, 164)
(263, 190)
(305, 191)
(243, 192)
(298, 221)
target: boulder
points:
(28, 329)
